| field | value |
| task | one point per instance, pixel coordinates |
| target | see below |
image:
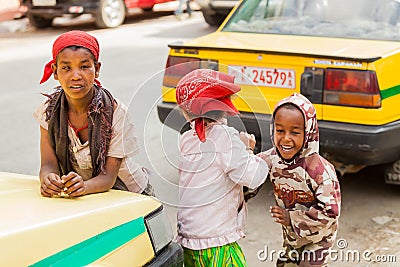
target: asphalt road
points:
(133, 58)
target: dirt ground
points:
(369, 229)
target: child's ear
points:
(97, 68)
(54, 69)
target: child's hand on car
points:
(74, 185)
(51, 185)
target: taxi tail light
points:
(177, 67)
(351, 88)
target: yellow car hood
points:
(36, 227)
(302, 45)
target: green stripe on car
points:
(395, 90)
(95, 247)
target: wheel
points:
(39, 22)
(111, 13)
(213, 19)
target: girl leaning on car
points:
(87, 140)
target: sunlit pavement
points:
(15, 25)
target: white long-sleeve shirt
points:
(212, 211)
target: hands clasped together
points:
(70, 185)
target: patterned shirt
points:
(307, 186)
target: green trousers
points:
(230, 255)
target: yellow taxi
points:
(115, 228)
(343, 55)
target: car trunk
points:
(270, 64)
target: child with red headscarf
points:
(216, 161)
(87, 140)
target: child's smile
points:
(288, 131)
(287, 149)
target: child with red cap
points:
(87, 140)
(214, 165)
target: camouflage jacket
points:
(307, 186)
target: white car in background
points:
(215, 11)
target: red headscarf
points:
(71, 38)
(204, 90)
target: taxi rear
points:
(109, 229)
(344, 60)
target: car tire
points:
(39, 22)
(111, 13)
(213, 19)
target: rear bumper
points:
(89, 7)
(360, 144)
(171, 256)
(217, 5)
(343, 142)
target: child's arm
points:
(241, 167)
(50, 181)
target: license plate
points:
(270, 77)
(44, 2)
(392, 178)
(392, 175)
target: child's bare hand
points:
(74, 185)
(248, 139)
(281, 215)
(51, 185)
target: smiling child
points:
(306, 188)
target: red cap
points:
(204, 90)
(71, 38)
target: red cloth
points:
(71, 38)
(204, 90)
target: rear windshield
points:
(361, 19)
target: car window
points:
(365, 19)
